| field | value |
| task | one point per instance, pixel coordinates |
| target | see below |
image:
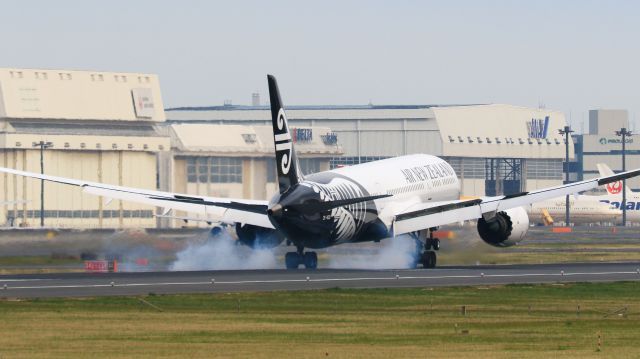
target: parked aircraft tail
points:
(614, 187)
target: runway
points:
(110, 284)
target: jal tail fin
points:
(614, 187)
(286, 160)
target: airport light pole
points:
(566, 132)
(624, 133)
(42, 146)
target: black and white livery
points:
(411, 194)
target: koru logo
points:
(615, 187)
(283, 142)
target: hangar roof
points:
(253, 141)
(501, 131)
(79, 95)
(299, 113)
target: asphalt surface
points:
(109, 284)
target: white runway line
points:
(318, 280)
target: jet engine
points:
(506, 229)
(258, 237)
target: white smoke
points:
(394, 253)
(222, 252)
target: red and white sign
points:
(101, 266)
(143, 102)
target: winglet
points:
(286, 160)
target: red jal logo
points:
(614, 188)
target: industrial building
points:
(602, 145)
(494, 148)
(110, 127)
(97, 126)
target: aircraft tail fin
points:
(614, 187)
(286, 161)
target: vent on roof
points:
(249, 137)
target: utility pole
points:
(566, 132)
(42, 146)
(624, 133)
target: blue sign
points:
(538, 127)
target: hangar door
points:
(503, 176)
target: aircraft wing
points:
(224, 210)
(435, 214)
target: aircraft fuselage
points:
(410, 180)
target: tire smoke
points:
(221, 252)
(394, 253)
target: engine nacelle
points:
(506, 229)
(258, 237)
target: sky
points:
(571, 56)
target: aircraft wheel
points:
(292, 260)
(311, 260)
(435, 244)
(429, 259)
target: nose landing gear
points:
(294, 259)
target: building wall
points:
(606, 122)
(602, 145)
(67, 206)
(255, 184)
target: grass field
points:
(523, 321)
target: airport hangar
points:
(112, 127)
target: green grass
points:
(505, 321)
(37, 260)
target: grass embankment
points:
(510, 321)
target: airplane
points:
(614, 195)
(405, 195)
(583, 210)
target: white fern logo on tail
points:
(283, 142)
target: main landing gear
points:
(294, 259)
(431, 245)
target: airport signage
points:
(538, 127)
(143, 102)
(100, 266)
(615, 140)
(302, 135)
